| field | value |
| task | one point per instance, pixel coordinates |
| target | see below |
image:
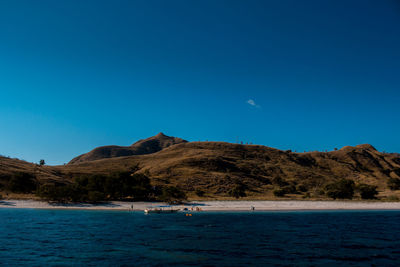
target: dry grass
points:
(215, 167)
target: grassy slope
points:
(215, 167)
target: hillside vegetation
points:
(204, 170)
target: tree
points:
(95, 196)
(367, 191)
(344, 188)
(238, 191)
(279, 192)
(279, 181)
(199, 192)
(172, 194)
(22, 182)
(42, 162)
(394, 183)
(301, 188)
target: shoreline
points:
(236, 205)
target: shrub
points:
(394, 183)
(342, 189)
(238, 191)
(302, 188)
(172, 194)
(199, 192)
(22, 182)
(367, 191)
(95, 196)
(59, 193)
(279, 192)
(393, 198)
(94, 188)
(289, 189)
(279, 181)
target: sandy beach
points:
(211, 205)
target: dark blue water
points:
(110, 238)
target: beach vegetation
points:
(172, 195)
(289, 189)
(22, 182)
(279, 192)
(238, 191)
(301, 188)
(199, 192)
(341, 189)
(393, 198)
(394, 183)
(99, 187)
(367, 191)
(279, 181)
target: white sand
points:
(213, 205)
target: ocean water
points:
(116, 238)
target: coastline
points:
(259, 205)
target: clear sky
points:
(301, 75)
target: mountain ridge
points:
(145, 146)
(215, 167)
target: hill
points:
(146, 146)
(217, 168)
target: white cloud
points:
(251, 102)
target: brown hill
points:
(10, 167)
(146, 146)
(216, 167)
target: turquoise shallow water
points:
(111, 238)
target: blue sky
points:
(79, 74)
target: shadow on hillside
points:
(6, 203)
(84, 205)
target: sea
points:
(30, 237)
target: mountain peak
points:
(160, 134)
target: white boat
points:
(160, 209)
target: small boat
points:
(160, 209)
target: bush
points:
(393, 198)
(289, 189)
(199, 192)
(367, 191)
(95, 196)
(22, 182)
(279, 181)
(172, 194)
(279, 192)
(343, 189)
(95, 188)
(302, 188)
(238, 191)
(59, 193)
(394, 183)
